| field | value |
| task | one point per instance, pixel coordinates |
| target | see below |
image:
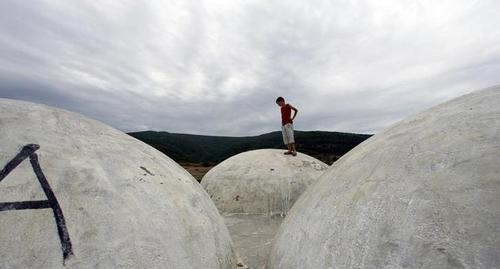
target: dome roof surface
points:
(76, 192)
(261, 181)
(424, 193)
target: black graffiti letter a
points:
(51, 202)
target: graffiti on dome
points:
(29, 151)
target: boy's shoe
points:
(288, 153)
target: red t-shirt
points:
(286, 114)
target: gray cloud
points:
(216, 67)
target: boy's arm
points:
(295, 111)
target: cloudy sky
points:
(216, 67)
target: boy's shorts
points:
(287, 130)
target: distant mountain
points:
(211, 150)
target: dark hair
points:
(280, 99)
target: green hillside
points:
(210, 150)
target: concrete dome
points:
(75, 191)
(424, 193)
(261, 181)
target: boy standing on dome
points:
(287, 125)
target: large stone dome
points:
(74, 191)
(425, 193)
(261, 181)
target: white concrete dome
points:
(74, 191)
(424, 193)
(261, 181)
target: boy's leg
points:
(294, 150)
(286, 141)
(291, 138)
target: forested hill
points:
(210, 150)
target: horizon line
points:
(243, 136)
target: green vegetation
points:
(210, 150)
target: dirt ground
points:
(252, 236)
(196, 170)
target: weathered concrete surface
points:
(253, 190)
(261, 181)
(425, 193)
(253, 236)
(125, 204)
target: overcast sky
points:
(216, 67)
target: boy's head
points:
(280, 101)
